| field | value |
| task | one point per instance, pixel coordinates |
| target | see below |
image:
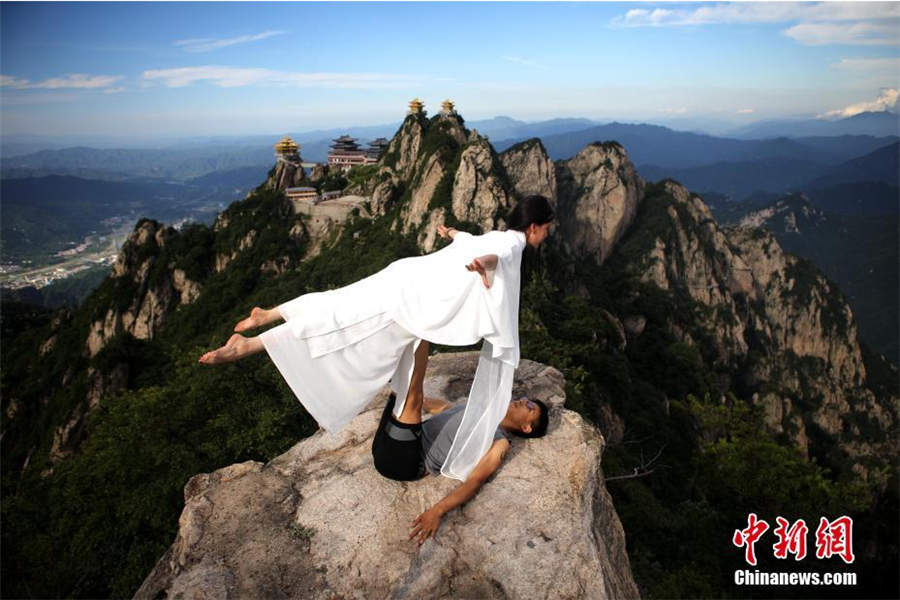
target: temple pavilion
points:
(346, 153)
(376, 148)
(416, 106)
(287, 150)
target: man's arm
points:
(425, 525)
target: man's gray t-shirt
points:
(438, 433)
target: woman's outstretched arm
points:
(485, 266)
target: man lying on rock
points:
(405, 448)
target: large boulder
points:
(320, 522)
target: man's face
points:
(525, 413)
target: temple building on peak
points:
(346, 153)
(287, 150)
(416, 106)
(447, 108)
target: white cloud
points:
(74, 80)
(886, 101)
(758, 12)
(524, 61)
(890, 63)
(674, 111)
(240, 77)
(744, 111)
(864, 23)
(208, 44)
(862, 33)
(114, 90)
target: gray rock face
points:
(318, 173)
(530, 169)
(403, 151)
(478, 194)
(320, 522)
(755, 291)
(150, 304)
(287, 174)
(598, 195)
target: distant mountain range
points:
(653, 146)
(878, 124)
(740, 179)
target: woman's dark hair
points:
(530, 209)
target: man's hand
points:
(425, 525)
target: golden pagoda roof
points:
(416, 105)
(447, 106)
(286, 146)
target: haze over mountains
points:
(849, 166)
(737, 166)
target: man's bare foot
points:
(256, 319)
(234, 349)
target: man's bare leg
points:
(236, 348)
(258, 317)
(412, 409)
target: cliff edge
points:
(320, 522)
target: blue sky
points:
(145, 69)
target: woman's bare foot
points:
(236, 348)
(258, 317)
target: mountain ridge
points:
(658, 318)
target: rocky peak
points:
(320, 522)
(782, 327)
(403, 149)
(598, 192)
(439, 172)
(530, 169)
(286, 174)
(791, 214)
(149, 290)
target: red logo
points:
(747, 537)
(835, 537)
(832, 538)
(790, 541)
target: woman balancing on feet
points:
(338, 348)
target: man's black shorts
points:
(397, 447)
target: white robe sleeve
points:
(491, 389)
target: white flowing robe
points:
(339, 347)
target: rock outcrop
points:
(530, 169)
(153, 291)
(440, 173)
(286, 174)
(478, 193)
(320, 522)
(792, 214)
(598, 193)
(780, 327)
